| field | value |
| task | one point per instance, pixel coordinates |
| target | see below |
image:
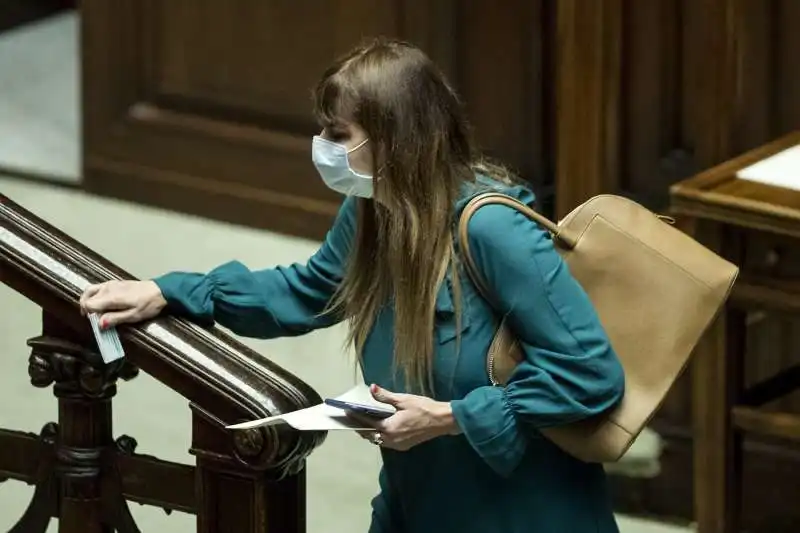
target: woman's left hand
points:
(418, 419)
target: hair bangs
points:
(334, 99)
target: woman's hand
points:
(120, 302)
(418, 419)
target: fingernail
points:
(103, 323)
(373, 388)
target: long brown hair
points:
(423, 154)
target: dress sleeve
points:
(276, 302)
(570, 371)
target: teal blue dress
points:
(500, 475)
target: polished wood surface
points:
(717, 194)
(753, 225)
(85, 475)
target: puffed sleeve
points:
(275, 302)
(570, 371)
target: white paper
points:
(321, 417)
(779, 170)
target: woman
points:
(459, 455)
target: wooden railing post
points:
(241, 487)
(75, 449)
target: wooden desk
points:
(757, 227)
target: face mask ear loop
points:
(359, 145)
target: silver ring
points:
(377, 439)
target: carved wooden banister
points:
(82, 474)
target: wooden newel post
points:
(73, 473)
(249, 481)
(84, 431)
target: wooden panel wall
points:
(663, 89)
(204, 106)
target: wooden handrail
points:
(225, 381)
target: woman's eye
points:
(335, 134)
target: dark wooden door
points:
(204, 106)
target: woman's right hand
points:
(123, 302)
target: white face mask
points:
(333, 166)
